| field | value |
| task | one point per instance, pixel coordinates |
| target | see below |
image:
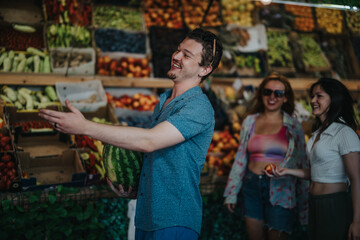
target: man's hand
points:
(120, 191)
(72, 122)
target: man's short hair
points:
(212, 48)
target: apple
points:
(268, 168)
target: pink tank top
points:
(268, 147)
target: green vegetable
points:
(5, 98)
(50, 92)
(42, 98)
(36, 64)
(18, 105)
(29, 60)
(35, 51)
(15, 64)
(28, 99)
(47, 68)
(21, 66)
(122, 166)
(2, 57)
(11, 54)
(7, 64)
(24, 28)
(10, 93)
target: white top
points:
(325, 157)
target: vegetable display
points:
(19, 38)
(64, 35)
(120, 18)
(26, 99)
(31, 61)
(279, 52)
(123, 167)
(69, 11)
(330, 20)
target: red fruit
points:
(8, 184)
(268, 168)
(10, 164)
(6, 158)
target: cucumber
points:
(24, 28)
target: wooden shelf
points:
(51, 79)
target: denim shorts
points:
(173, 233)
(256, 197)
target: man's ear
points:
(205, 70)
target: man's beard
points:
(171, 75)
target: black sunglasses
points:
(277, 93)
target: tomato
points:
(268, 168)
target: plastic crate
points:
(77, 92)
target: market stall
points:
(110, 58)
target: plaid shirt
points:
(287, 191)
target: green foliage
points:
(61, 218)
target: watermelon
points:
(123, 167)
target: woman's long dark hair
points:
(288, 106)
(341, 107)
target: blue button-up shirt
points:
(169, 192)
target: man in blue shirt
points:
(169, 204)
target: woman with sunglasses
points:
(269, 135)
(334, 154)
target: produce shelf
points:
(51, 79)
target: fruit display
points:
(239, 12)
(31, 61)
(194, 11)
(65, 35)
(279, 52)
(138, 101)
(313, 56)
(123, 167)
(163, 4)
(168, 17)
(222, 152)
(18, 40)
(33, 126)
(303, 17)
(330, 20)
(8, 171)
(124, 66)
(119, 18)
(27, 99)
(274, 16)
(113, 40)
(353, 21)
(5, 142)
(248, 64)
(68, 12)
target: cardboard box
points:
(25, 115)
(45, 172)
(43, 144)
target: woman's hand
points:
(354, 231)
(276, 172)
(230, 207)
